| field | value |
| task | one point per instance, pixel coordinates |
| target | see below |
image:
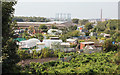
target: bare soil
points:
(27, 61)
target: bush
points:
(117, 57)
(108, 46)
(44, 53)
(102, 38)
(87, 33)
(80, 64)
(23, 54)
(81, 41)
(74, 33)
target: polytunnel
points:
(29, 43)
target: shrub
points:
(81, 41)
(108, 46)
(44, 53)
(23, 54)
(117, 57)
(85, 64)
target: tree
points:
(83, 22)
(39, 36)
(72, 28)
(30, 19)
(43, 28)
(75, 20)
(54, 27)
(64, 37)
(101, 26)
(31, 28)
(116, 36)
(74, 33)
(108, 46)
(9, 47)
(117, 57)
(112, 24)
(88, 26)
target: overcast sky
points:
(78, 9)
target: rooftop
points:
(87, 42)
(57, 22)
(65, 43)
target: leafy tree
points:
(39, 36)
(87, 33)
(23, 54)
(30, 19)
(64, 37)
(116, 36)
(101, 26)
(108, 46)
(24, 35)
(74, 33)
(83, 22)
(72, 28)
(107, 31)
(54, 27)
(9, 47)
(118, 39)
(31, 28)
(75, 20)
(88, 26)
(43, 28)
(112, 24)
(117, 57)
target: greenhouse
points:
(47, 43)
(54, 32)
(29, 43)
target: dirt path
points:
(27, 61)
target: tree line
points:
(30, 19)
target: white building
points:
(107, 35)
(71, 40)
(28, 43)
(65, 44)
(54, 32)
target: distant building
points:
(59, 24)
(96, 20)
(63, 17)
